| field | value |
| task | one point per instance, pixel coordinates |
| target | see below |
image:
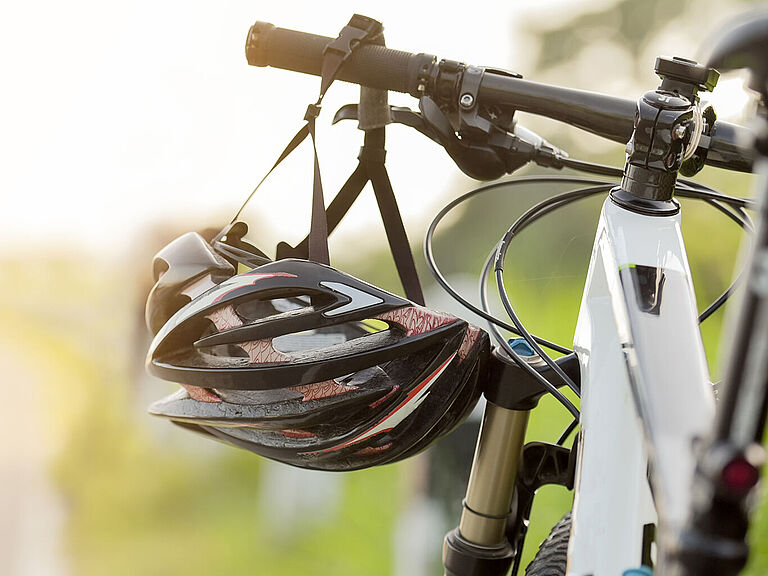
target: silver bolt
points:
(467, 100)
(678, 132)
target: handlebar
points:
(422, 75)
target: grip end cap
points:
(256, 43)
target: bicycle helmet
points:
(306, 365)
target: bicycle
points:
(642, 408)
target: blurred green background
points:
(90, 484)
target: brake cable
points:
(733, 207)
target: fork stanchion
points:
(479, 545)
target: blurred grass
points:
(145, 511)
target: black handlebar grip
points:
(370, 65)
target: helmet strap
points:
(374, 112)
(358, 32)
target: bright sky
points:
(115, 115)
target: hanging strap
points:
(372, 156)
(295, 141)
(371, 168)
(359, 31)
(318, 230)
(335, 212)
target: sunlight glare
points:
(731, 99)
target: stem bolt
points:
(467, 100)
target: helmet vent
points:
(308, 340)
(328, 336)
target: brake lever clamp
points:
(482, 140)
(491, 127)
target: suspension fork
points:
(485, 543)
(479, 546)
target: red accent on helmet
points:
(257, 276)
(368, 450)
(290, 433)
(416, 320)
(201, 394)
(381, 426)
(384, 399)
(321, 390)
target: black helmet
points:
(304, 364)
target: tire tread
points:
(552, 556)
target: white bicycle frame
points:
(646, 394)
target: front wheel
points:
(552, 556)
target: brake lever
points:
(398, 115)
(478, 162)
(505, 152)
